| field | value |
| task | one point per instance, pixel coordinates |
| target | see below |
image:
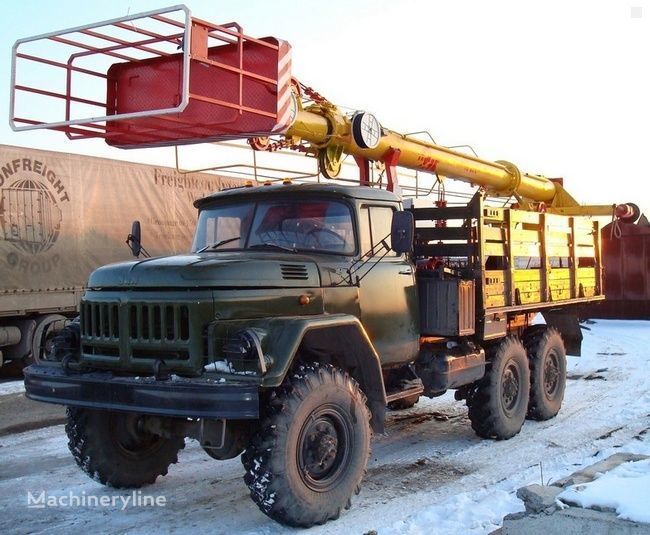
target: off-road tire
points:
(499, 401)
(547, 360)
(95, 441)
(319, 412)
(404, 403)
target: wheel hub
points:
(320, 448)
(323, 448)
(551, 374)
(130, 437)
(510, 387)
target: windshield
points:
(314, 225)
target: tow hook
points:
(158, 372)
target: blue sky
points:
(559, 87)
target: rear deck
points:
(518, 261)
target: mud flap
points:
(566, 322)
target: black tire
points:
(110, 449)
(223, 454)
(310, 453)
(498, 403)
(404, 403)
(547, 360)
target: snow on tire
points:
(109, 448)
(310, 453)
(498, 402)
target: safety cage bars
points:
(152, 79)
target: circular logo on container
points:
(30, 216)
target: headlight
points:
(246, 346)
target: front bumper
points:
(177, 397)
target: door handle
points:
(408, 271)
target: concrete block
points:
(538, 498)
(588, 474)
(571, 521)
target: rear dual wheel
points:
(498, 403)
(547, 358)
(524, 380)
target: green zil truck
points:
(302, 313)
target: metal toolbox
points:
(447, 306)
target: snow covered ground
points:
(429, 474)
(624, 489)
(12, 387)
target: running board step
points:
(416, 390)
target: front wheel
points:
(310, 454)
(112, 449)
(498, 403)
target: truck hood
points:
(225, 270)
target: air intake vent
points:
(294, 272)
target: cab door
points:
(387, 289)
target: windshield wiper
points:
(218, 244)
(273, 246)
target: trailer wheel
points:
(111, 449)
(310, 453)
(547, 358)
(66, 342)
(46, 332)
(498, 402)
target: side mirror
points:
(134, 240)
(401, 232)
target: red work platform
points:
(157, 78)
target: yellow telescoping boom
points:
(363, 137)
(334, 134)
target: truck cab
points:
(268, 255)
(346, 234)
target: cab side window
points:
(374, 227)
